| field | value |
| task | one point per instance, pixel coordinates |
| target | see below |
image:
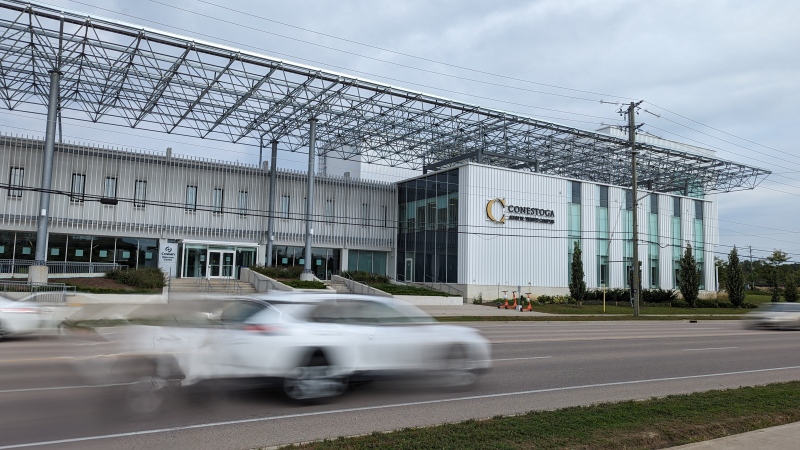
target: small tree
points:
(734, 279)
(790, 288)
(577, 285)
(689, 277)
(773, 273)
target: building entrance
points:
(220, 263)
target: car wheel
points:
(314, 379)
(457, 367)
(146, 395)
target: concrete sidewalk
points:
(475, 310)
(783, 437)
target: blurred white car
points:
(314, 344)
(24, 316)
(777, 315)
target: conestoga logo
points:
(522, 213)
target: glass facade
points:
(324, 261)
(627, 236)
(603, 239)
(698, 246)
(574, 230)
(366, 261)
(676, 241)
(132, 252)
(427, 241)
(653, 248)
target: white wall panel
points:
(665, 240)
(516, 252)
(616, 205)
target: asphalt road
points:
(47, 401)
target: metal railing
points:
(16, 266)
(36, 292)
(440, 286)
(220, 285)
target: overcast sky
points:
(720, 74)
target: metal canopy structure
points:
(118, 73)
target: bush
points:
(679, 304)
(366, 277)
(725, 304)
(703, 303)
(749, 305)
(554, 299)
(658, 295)
(478, 300)
(305, 284)
(144, 278)
(279, 272)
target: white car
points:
(24, 316)
(314, 344)
(778, 315)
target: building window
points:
(77, 190)
(191, 198)
(385, 216)
(110, 187)
(603, 196)
(139, 193)
(629, 200)
(216, 201)
(284, 211)
(15, 179)
(329, 210)
(243, 203)
(365, 214)
(653, 203)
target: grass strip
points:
(649, 424)
(582, 318)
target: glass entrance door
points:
(220, 263)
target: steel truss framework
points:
(113, 72)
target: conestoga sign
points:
(521, 213)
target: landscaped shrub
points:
(749, 305)
(279, 272)
(144, 278)
(703, 303)
(366, 277)
(658, 295)
(679, 304)
(305, 284)
(724, 304)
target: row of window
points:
(217, 198)
(366, 219)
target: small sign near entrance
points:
(168, 258)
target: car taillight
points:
(19, 310)
(263, 329)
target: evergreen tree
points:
(734, 279)
(577, 284)
(790, 288)
(689, 277)
(773, 272)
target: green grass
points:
(655, 423)
(611, 309)
(524, 317)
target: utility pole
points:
(635, 268)
(752, 272)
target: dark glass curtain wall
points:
(427, 242)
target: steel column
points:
(47, 170)
(308, 274)
(271, 206)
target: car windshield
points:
(779, 307)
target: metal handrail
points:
(449, 289)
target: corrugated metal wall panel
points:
(514, 253)
(665, 240)
(616, 204)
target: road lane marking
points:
(708, 348)
(516, 359)
(58, 388)
(379, 407)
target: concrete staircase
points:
(340, 287)
(214, 286)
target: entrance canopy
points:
(118, 73)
